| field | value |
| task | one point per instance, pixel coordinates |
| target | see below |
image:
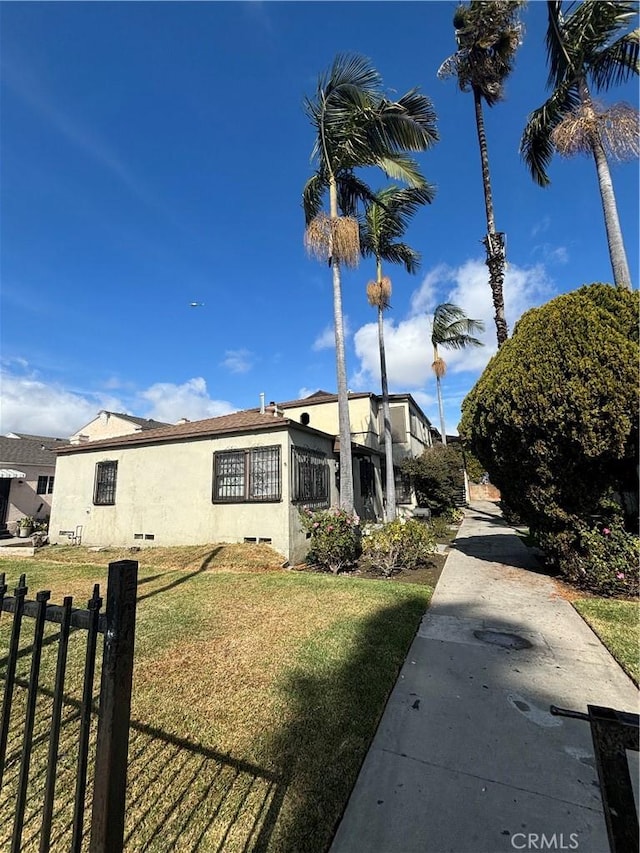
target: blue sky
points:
(154, 154)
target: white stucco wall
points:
(23, 496)
(363, 417)
(106, 425)
(165, 491)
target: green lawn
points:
(617, 625)
(256, 695)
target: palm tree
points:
(451, 329)
(355, 125)
(385, 221)
(583, 55)
(488, 35)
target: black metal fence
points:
(23, 729)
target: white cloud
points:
(542, 226)
(32, 405)
(408, 340)
(327, 338)
(306, 392)
(238, 360)
(190, 400)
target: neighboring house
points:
(27, 473)
(236, 478)
(109, 424)
(411, 430)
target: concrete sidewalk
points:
(467, 757)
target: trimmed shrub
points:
(397, 545)
(437, 477)
(553, 418)
(602, 559)
(335, 538)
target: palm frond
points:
(536, 145)
(451, 327)
(400, 167)
(403, 254)
(352, 192)
(488, 34)
(617, 63)
(312, 195)
(350, 69)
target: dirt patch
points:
(427, 574)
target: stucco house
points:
(108, 424)
(236, 478)
(411, 430)
(27, 475)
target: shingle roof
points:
(320, 397)
(48, 440)
(25, 451)
(143, 423)
(244, 421)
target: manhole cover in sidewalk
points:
(503, 639)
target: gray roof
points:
(26, 451)
(143, 423)
(49, 441)
(237, 422)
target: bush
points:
(601, 559)
(398, 544)
(437, 477)
(553, 418)
(335, 538)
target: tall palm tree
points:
(385, 221)
(355, 125)
(584, 54)
(451, 329)
(488, 35)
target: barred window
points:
(45, 485)
(247, 475)
(310, 477)
(105, 486)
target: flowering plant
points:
(399, 544)
(335, 538)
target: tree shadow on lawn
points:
(178, 581)
(333, 717)
(186, 796)
(181, 796)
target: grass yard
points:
(617, 624)
(256, 694)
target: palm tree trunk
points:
(619, 264)
(346, 467)
(440, 404)
(390, 487)
(494, 241)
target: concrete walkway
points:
(467, 757)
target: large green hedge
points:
(554, 416)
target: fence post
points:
(110, 780)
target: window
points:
(105, 487)
(403, 486)
(398, 425)
(45, 485)
(247, 475)
(367, 478)
(310, 476)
